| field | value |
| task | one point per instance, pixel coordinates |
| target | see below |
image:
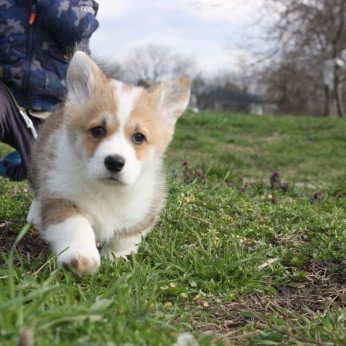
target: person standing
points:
(37, 39)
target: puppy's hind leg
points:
(122, 245)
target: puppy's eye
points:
(98, 132)
(138, 138)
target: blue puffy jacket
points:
(36, 41)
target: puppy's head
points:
(117, 130)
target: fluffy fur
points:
(97, 168)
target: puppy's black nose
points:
(114, 163)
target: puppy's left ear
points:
(173, 98)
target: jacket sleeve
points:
(71, 21)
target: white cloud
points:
(234, 10)
(111, 9)
(202, 31)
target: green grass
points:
(226, 249)
(302, 149)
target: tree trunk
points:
(338, 93)
(326, 111)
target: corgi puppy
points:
(97, 165)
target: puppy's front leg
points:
(70, 235)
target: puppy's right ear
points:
(81, 76)
(173, 96)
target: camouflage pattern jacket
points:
(36, 38)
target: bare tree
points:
(147, 62)
(184, 66)
(111, 68)
(155, 62)
(306, 34)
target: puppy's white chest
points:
(113, 214)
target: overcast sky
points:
(204, 29)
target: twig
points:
(197, 218)
(39, 269)
(205, 221)
(231, 335)
(288, 331)
(267, 263)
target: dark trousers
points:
(14, 131)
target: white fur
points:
(80, 78)
(34, 215)
(126, 98)
(121, 246)
(74, 239)
(115, 145)
(118, 144)
(109, 207)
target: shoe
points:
(9, 160)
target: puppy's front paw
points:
(34, 215)
(80, 261)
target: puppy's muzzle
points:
(114, 163)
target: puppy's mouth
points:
(113, 179)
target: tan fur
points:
(100, 110)
(52, 124)
(145, 119)
(57, 210)
(181, 98)
(140, 227)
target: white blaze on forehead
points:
(126, 99)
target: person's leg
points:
(14, 131)
(13, 158)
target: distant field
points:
(302, 149)
(237, 257)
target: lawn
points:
(240, 255)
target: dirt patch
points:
(324, 288)
(31, 247)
